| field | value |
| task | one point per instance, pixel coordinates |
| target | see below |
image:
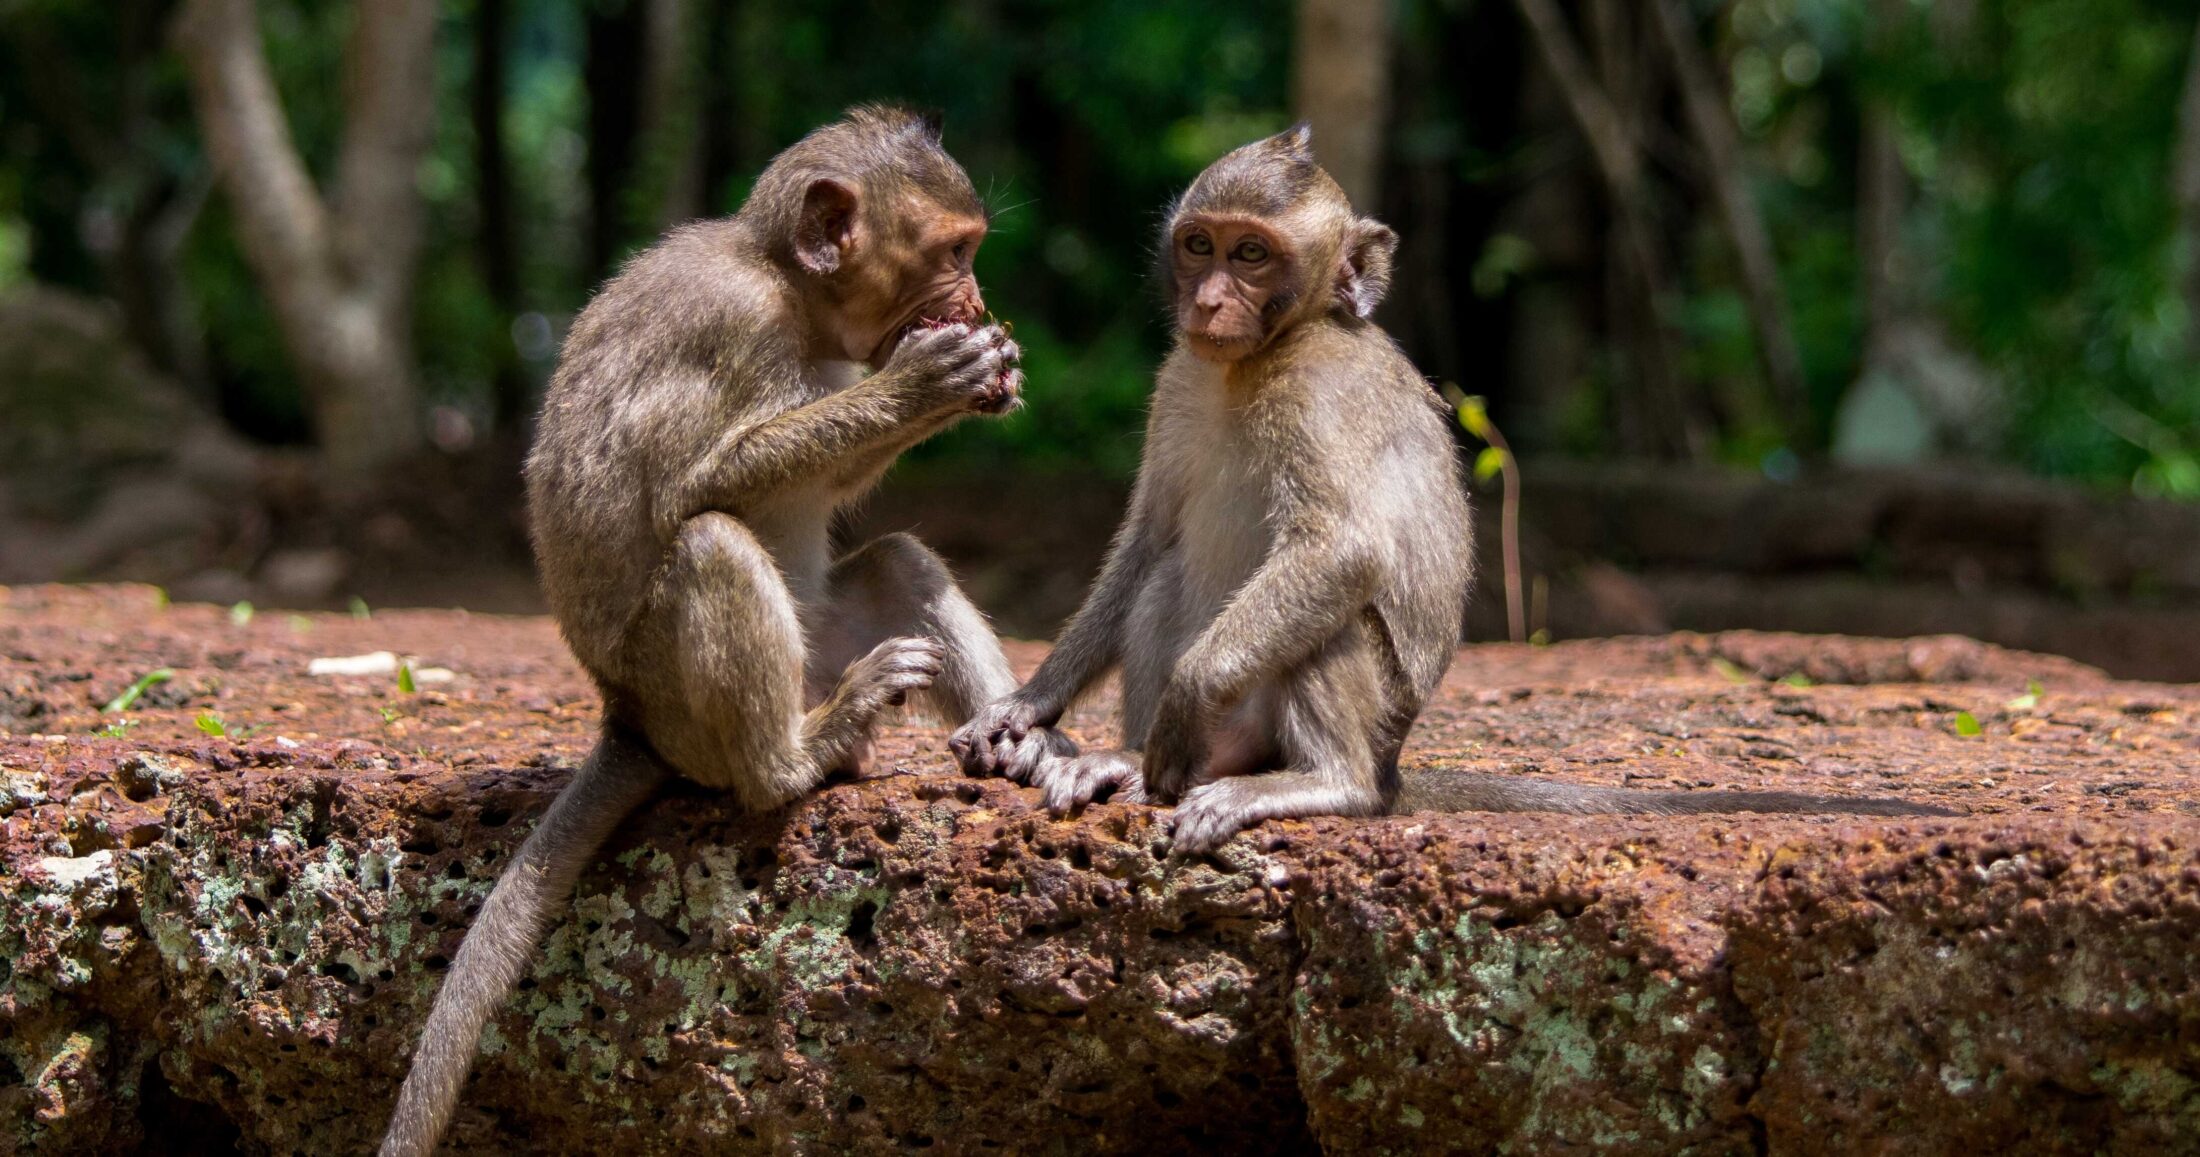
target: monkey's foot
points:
(1068, 784)
(1211, 813)
(894, 668)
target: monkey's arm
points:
(994, 741)
(755, 463)
(1092, 644)
(935, 377)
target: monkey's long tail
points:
(618, 776)
(1464, 791)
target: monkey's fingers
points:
(1022, 755)
(1006, 395)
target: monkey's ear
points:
(1369, 246)
(1298, 140)
(828, 224)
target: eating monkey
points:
(713, 407)
(1289, 582)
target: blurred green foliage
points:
(2039, 142)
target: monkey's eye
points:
(1199, 245)
(962, 250)
(1250, 251)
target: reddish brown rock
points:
(214, 939)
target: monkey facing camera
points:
(1289, 582)
(714, 406)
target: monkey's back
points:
(641, 395)
(1409, 493)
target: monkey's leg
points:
(896, 586)
(716, 669)
(1328, 718)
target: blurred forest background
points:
(1879, 316)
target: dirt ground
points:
(1679, 712)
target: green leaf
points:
(359, 609)
(240, 614)
(1726, 667)
(123, 701)
(118, 728)
(1798, 679)
(1967, 725)
(405, 678)
(1488, 464)
(212, 724)
(1474, 414)
(1541, 637)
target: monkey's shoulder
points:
(699, 298)
(1347, 380)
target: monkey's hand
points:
(1176, 749)
(1069, 784)
(958, 368)
(1010, 737)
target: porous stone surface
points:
(223, 919)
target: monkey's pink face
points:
(930, 280)
(1233, 277)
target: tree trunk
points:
(611, 72)
(1340, 84)
(338, 272)
(722, 152)
(1710, 118)
(1663, 421)
(671, 115)
(493, 192)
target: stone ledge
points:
(232, 939)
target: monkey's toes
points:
(1206, 819)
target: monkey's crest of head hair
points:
(1264, 179)
(883, 153)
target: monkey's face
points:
(917, 273)
(1233, 277)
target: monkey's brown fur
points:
(708, 416)
(1288, 585)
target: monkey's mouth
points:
(1213, 346)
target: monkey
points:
(1289, 581)
(709, 414)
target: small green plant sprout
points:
(212, 724)
(1798, 679)
(298, 624)
(1967, 725)
(117, 729)
(1729, 671)
(359, 608)
(405, 682)
(1496, 458)
(2029, 700)
(390, 716)
(240, 614)
(129, 697)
